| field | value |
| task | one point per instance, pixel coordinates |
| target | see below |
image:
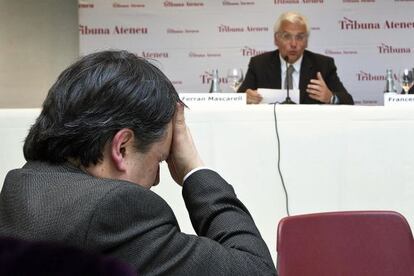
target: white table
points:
(332, 158)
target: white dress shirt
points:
(295, 74)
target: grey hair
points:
(292, 17)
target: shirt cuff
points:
(334, 99)
(193, 171)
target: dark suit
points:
(124, 220)
(264, 72)
(21, 257)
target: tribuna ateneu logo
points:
(367, 76)
(352, 24)
(278, 2)
(206, 78)
(182, 4)
(240, 29)
(117, 30)
(247, 51)
(389, 49)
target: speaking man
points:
(294, 67)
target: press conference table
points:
(331, 158)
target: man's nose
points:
(293, 43)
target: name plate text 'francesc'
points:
(192, 99)
(398, 99)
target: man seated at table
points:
(92, 156)
(313, 74)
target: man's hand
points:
(318, 89)
(183, 155)
(252, 97)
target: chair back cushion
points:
(345, 243)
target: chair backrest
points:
(345, 243)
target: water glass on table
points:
(234, 78)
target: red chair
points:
(353, 243)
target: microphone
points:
(288, 76)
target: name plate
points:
(398, 99)
(191, 99)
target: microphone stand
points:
(287, 100)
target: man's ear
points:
(122, 140)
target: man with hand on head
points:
(313, 74)
(92, 156)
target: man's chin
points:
(293, 57)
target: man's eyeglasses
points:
(290, 37)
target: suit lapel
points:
(306, 74)
(274, 71)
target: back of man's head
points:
(94, 98)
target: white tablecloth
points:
(332, 158)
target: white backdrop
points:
(190, 38)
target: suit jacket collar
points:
(306, 74)
(274, 70)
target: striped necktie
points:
(289, 78)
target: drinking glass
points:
(234, 78)
(406, 79)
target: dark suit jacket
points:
(21, 257)
(264, 72)
(118, 218)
